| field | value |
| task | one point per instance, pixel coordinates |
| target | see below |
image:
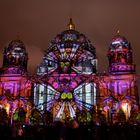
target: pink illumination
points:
(74, 84)
(55, 84)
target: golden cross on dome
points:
(71, 25)
(118, 32)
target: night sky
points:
(36, 22)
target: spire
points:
(70, 25)
(118, 32)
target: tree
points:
(47, 117)
(36, 116)
(101, 116)
(134, 115)
(121, 116)
(3, 116)
(20, 115)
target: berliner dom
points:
(67, 84)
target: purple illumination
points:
(14, 86)
(66, 80)
(120, 56)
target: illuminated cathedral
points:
(67, 81)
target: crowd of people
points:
(70, 131)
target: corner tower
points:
(15, 86)
(15, 55)
(120, 56)
(119, 92)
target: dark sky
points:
(38, 21)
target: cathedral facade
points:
(67, 81)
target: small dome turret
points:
(120, 55)
(120, 43)
(15, 55)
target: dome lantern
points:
(71, 25)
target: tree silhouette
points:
(20, 115)
(47, 117)
(121, 116)
(3, 116)
(36, 116)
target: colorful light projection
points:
(15, 55)
(67, 64)
(119, 87)
(68, 94)
(119, 94)
(15, 86)
(120, 56)
(14, 96)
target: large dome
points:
(72, 39)
(71, 49)
(70, 42)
